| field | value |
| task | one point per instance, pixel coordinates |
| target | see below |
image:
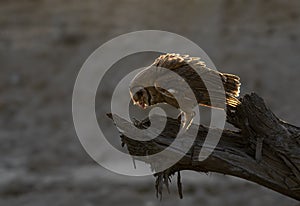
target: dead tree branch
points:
(277, 167)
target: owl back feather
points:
(189, 69)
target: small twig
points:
(179, 185)
(159, 186)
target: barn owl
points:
(155, 85)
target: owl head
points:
(140, 96)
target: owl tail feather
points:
(232, 88)
(232, 101)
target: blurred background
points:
(43, 45)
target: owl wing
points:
(223, 88)
(175, 88)
(185, 84)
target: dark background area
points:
(43, 45)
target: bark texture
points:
(265, 150)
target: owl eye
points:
(140, 93)
(136, 90)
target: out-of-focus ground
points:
(42, 47)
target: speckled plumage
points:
(193, 79)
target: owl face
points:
(141, 98)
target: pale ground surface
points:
(43, 45)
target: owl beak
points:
(143, 105)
